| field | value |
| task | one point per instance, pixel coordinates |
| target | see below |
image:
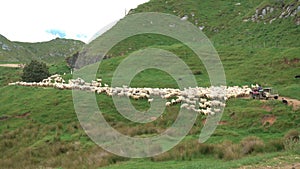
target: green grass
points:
(205, 162)
(223, 21)
(270, 67)
(53, 123)
(8, 75)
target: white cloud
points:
(29, 20)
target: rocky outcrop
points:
(271, 13)
(6, 47)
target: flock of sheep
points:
(203, 100)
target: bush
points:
(35, 72)
(292, 135)
(186, 151)
(275, 145)
(252, 144)
(291, 141)
(197, 72)
(229, 151)
(292, 146)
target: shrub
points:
(186, 151)
(252, 144)
(197, 72)
(275, 145)
(35, 72)
(292, 135)
(292, 146)
(291, 141)
(229, 151)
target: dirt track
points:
(292, 102)
(281, 162)
(12, 65)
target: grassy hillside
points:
(272, 67)
(39, 128)
(40, 125)
(52, 52)
(42, 117)
(9, 75)
(251, 52)
(224, 23)
(13, 53)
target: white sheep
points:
(150, 100)
(168, 104)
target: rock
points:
(294, 13)
(6, 47)
(298, 21)
(288, 9)
(298, 9)
(271, 10)
(184, 18)
(264, 12)
(201, 27)
(237, 4)
(272, 20)
(245, 20)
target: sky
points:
(43, 20)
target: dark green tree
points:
(35, 71)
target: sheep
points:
(192, 107)
(121, 94)
(192, 102)
(168, 104)
(217, 110)
(206, 112)
(173, 101)
(178, 100)
(144, 95)
(203, 100)
(190, 97)
(184, 105)
(201, 105)
(12, 84)
(207, 104)
(199, 111)
(284, 101)
(150, 100)
(135, 97)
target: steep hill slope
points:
(251, 24)
(257, 40)
(54, 51)
(247, 23)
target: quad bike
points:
(264, 93)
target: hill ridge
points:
(52, 51)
